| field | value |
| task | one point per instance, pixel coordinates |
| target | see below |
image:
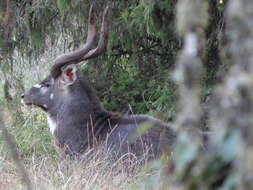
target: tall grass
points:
(92, 173)
(47, 170)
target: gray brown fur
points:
(81, 121)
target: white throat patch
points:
(51, 123)
(51, 96)
(37, 86)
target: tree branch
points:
(6, 21)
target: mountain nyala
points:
(75, 117)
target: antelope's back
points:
(141, 134)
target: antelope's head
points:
(63, 76)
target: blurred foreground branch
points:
(228, 163)
(187, 75)
(14, 153)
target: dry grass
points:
(96, 172)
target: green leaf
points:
(62, 5)
(143, 128)
(231, 146)
(184, 154)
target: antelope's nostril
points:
(22, 96)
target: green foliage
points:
(122, 87)
(37, 20)
(140, 61)
(31, 136)
(154, 18)
(62, 5)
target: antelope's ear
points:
(68, 75)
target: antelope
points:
(75, 117)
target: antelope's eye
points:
(47, 85)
